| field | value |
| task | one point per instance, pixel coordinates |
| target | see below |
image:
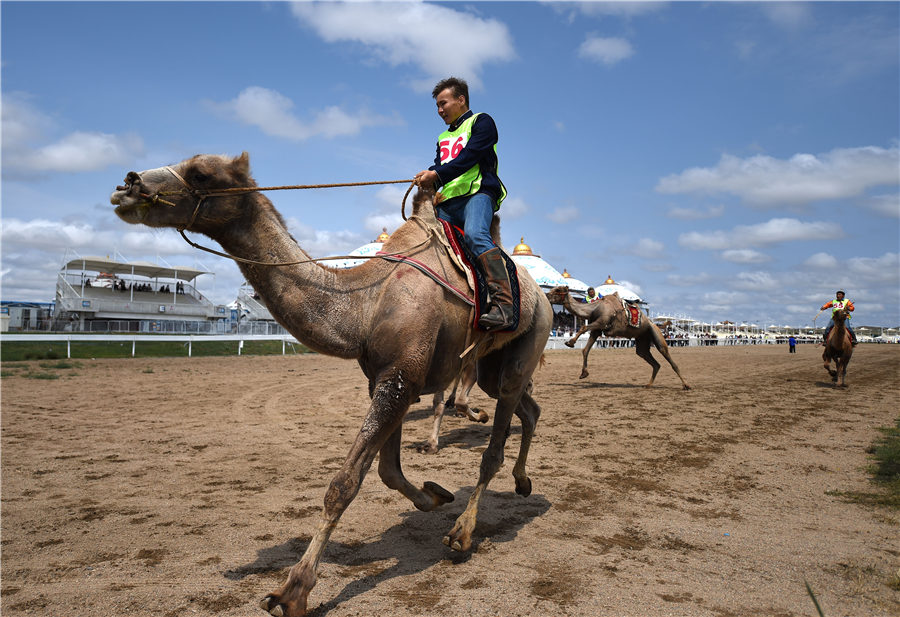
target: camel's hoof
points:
(427, 448)
(686, 387)
(476, 415)
(523, 488)
(583, 374)
(454, 544)
(569, 343)
(439, 495)
(271, 606)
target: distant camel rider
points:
(591, 296)
(835, 305)
(465, 169)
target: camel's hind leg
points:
(458, 400)
(642, 349)
(528, 413)
(660, 343)
(438, 406)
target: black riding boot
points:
(501, 314)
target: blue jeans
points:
(474, 216)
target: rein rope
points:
(202, 195)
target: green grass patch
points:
(17, 351)
(884, 469)
(40, 376)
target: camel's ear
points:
(241, 164)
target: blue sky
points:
(725, 160)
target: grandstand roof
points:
(141, 268)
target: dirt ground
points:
(188, 486)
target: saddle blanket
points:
(455, 237)
(634, 314)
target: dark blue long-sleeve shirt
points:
(478, 150)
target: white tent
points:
(610, 287)
(542, 272)
(366, 250)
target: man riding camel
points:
(835, 305)
(465, 169)
(592, 296)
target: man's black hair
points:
(459, 87)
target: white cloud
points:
(759, 281)
(884, 269)
(621, 9)
(688, 280)
(774, 231)
(607, 51)
(564, 215)
(885, 205)
(273, 114)
(513, 208)
(632, 286)
(821, 261)
(413, 33)
(766, 181)
(693, 214)
(647, 248)
(745, 256)
(82, 151)
(789, 15)
(24, 127)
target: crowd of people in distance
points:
(120, 285)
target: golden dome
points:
(522, 248)
(384, 236)
(566, 274)
(609, 281)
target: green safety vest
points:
(451, 144)
(837, 305)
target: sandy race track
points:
(188, 486)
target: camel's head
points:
(168, 196)
(840, 316)
(558, 295)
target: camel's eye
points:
(200, 177)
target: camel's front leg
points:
(390, 400)
(427, 498)
(571, 342)
(587, 351)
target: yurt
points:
(609, 287)
(543, 273)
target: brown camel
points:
(406, 332)
(838, 347)
(608, 316)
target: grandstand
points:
(103, 294)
